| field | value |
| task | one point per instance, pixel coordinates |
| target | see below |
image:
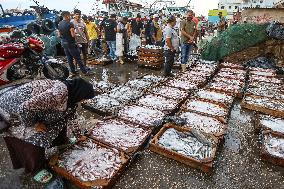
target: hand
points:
(40, 127)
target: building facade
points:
(231, 6)
(258, 3)
(279, 4)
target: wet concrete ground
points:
(237, 165)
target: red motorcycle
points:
(25, 59)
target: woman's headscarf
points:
(78, 89)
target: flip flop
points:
(43, 176)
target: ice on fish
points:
(205, 124)
(141, 115)
(158, 102)
(274, 145)
(265, 102)
(206, 107)
(215, 96)
(89, 161)
(170, 92)
(185, 143)
(273, 123)
(119, 134)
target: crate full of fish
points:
(125, 94)
(102, 105)
(182, 83)
(270, 123)
(264, 105)
(143, 116)
(210, 109)
(125, 136)
(231, 65)
(187, 146)
(273, 148)
(214, 96)
(170, 92)
(203, 123)
(156, 102)
(89, 164)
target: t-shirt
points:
(221, 24)
(91, 29)
(136, 27)
(189, 28)
(109, 27)
(177, 26)
(156, 31)
(64, 27)
(80, 31)
(172, 34)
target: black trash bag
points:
(275, 30)
(34, 28)
(262, 62)
(176, 120)
(57, 183)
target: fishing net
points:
(236, 38)
(50, 42)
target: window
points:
(222, 7)
(236, 7)
(230, 7)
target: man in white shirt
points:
(171, 45)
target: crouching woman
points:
(36, 116)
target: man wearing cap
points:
(156, 31)
(188, 34)
(109, 27)
(171, 45)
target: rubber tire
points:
(64, 70)
(47, 25)
(6, 15)
(34, 28)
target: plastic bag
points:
(119, 44)
(134, 42)
(275, 30)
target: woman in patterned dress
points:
(36, 115)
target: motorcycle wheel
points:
(61, 70)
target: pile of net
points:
(275, 30)
(50, 42)
(236, 38)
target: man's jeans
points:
(112, 49)
(185, 52)
(72, 52)
(169, 61)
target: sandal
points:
(43, 176)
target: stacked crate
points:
(151, 56)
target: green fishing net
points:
(236, 38)
(50, 42)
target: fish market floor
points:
(238, 164)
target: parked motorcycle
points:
(24, 58)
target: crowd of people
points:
(117, 36)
